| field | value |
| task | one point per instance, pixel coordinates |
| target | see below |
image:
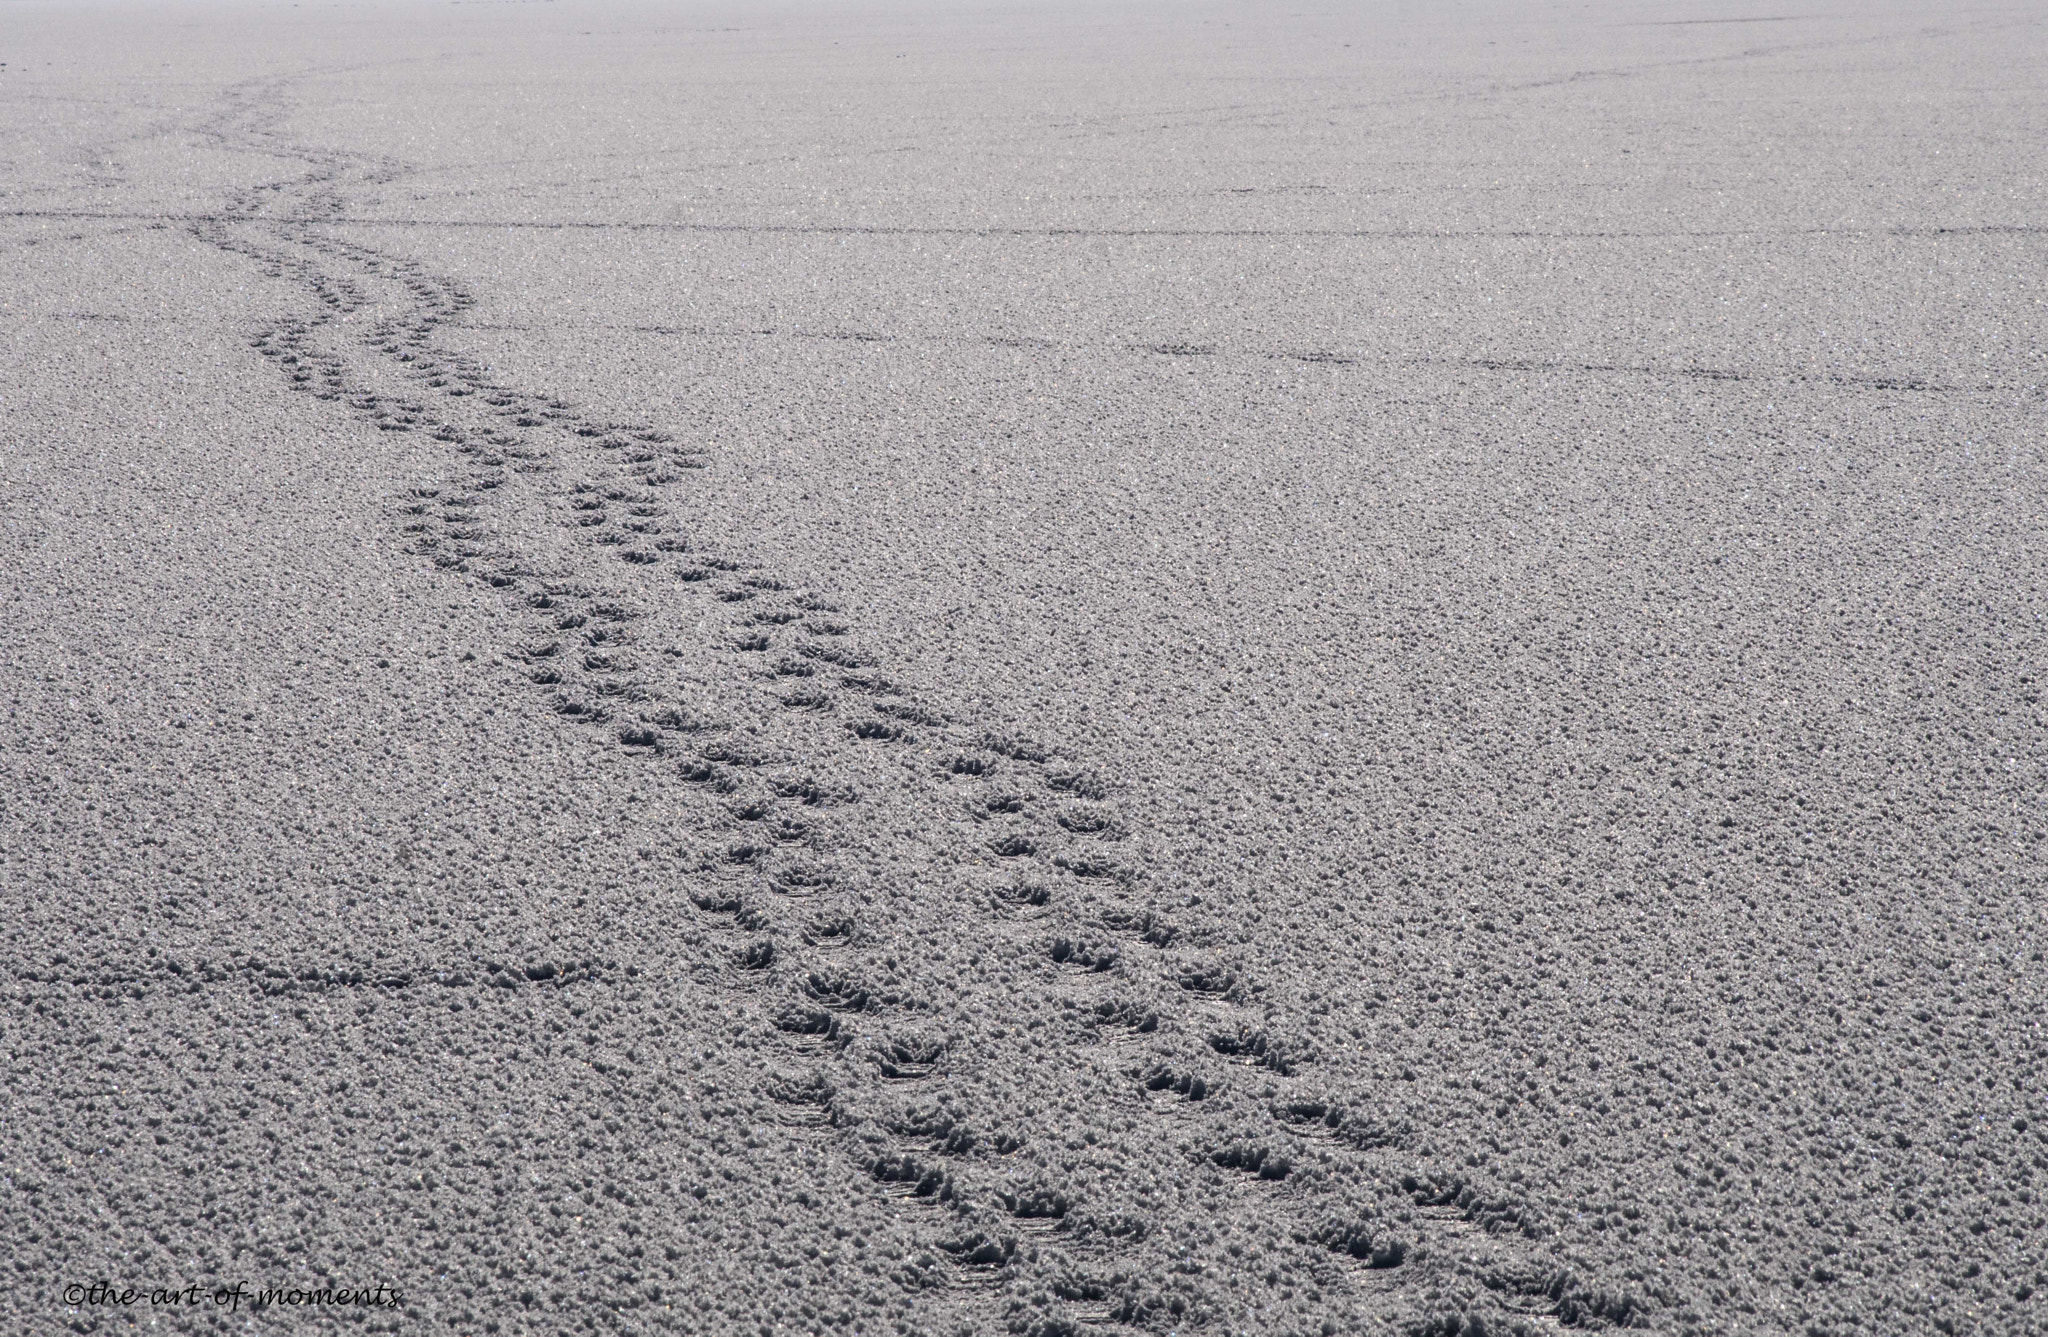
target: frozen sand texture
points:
(1362, 669)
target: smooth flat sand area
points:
(1207, 669)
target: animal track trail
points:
(1031, 845)
(882, 884)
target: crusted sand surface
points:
(1375, 668)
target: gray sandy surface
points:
(1208, 669)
